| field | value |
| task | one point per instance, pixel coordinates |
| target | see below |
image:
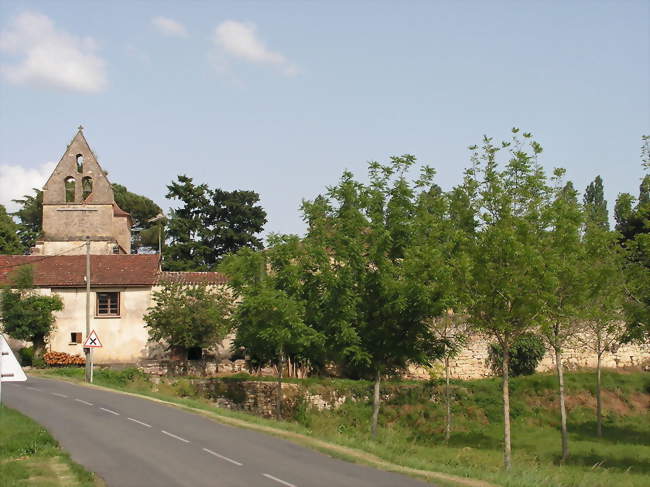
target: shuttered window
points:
(108, 304)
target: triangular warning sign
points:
(93, 341)
(10, 369)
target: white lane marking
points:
(174, 436)
(83, 402)
(109, 411)
(33, 388)
(278, 480)
(222, 457)
(139, 422)
(58, 394)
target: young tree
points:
(189, 315)
(210, 224)
(604, 326)
(27, 315)
(270, 315)
(565, 285)
(508, 255)
(9, 241)
(363, 232)
(450, 333)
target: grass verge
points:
(29, 456)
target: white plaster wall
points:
(124, 339)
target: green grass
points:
(412, 425)
(29, 456)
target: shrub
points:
(26, 355)
(525, 354)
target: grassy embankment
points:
(29, 456)
(412, 426)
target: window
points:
(75, 337)
(80, 163)
(87, 186)
(108, 304)
(70, 184)
(116, 249)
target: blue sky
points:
(280, 97)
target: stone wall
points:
(472, 363)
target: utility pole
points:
(88, 351)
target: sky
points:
(281, 97)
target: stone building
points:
(79, 207)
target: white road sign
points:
(10, 369)
(93, 341)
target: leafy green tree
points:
(26, 314)
(30, 217)
(508, 256)
(595, 205)
(526, 352)
(270, 315)
(9, 241)
(142, 211)
(603, 326)
(210, 224)
(189, 315)
(360, 233)
(565, 284)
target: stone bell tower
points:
(78, 204)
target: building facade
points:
(79, 209)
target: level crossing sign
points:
(93, 341)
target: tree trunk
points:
(38, 342)
(599, 403)
(375, 406)
(280, 368)
(448, 399)
(560, 376)
(507, 452)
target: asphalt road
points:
(130, 441)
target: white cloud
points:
(50, 56)
(239, 40)
(169, 27)
(17, 181)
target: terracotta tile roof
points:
(70, 270)
(117, 211)
(193, 277)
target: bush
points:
(26, 355)
(525, 354)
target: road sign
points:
(93, 341)
(10, 369)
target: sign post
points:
(92, 341)
(10, 369)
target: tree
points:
(270, 315)
(210, 224)
(508, 255)
(604, 325)
(526, 352)
(142, 211)
(595, 205)
(30, 217)
(565, 286)
(189, 315)
(450, 333)
(9, 241)
(362, 233)
(27, 315)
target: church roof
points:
(130, 270)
